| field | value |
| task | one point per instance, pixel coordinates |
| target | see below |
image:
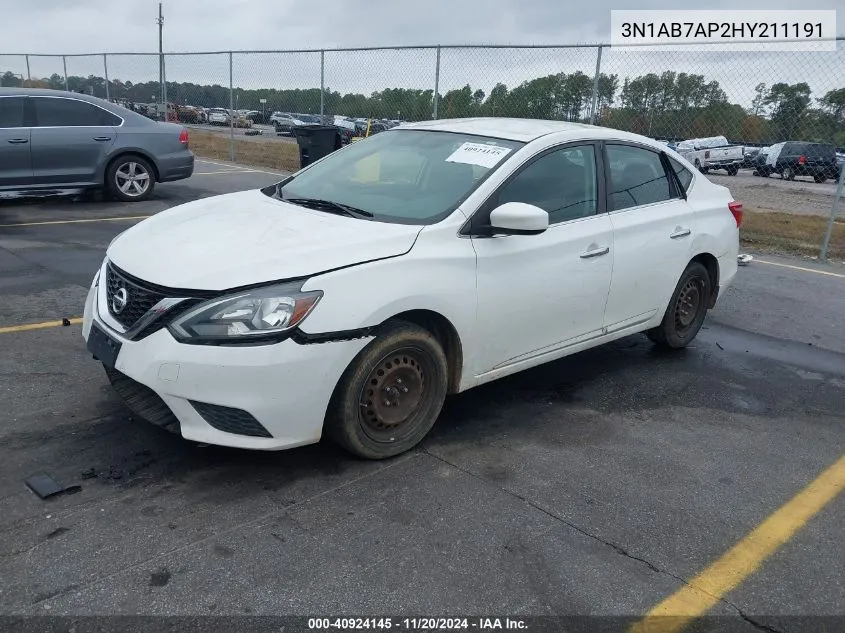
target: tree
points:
(834, 104)
(11, 80)
(758, 103)
(789, 104)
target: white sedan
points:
(349, 299)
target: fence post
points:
(164, 86)
(28, 76)
(322, 83)
(437, 82)
(832, 219)
(231, 112)
(595, 101)
(64, 65)
(106, 72)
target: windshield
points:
(403, 176)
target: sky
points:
(98, 26)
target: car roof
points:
(526, 130)
(46, 92)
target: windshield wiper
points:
(330, 206)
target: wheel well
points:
(149, 159)
(446, 335)
(712, 265)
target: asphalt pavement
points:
(596, 485)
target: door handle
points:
(596, 252)
(102, 138)
(18, 141)
(680, 232)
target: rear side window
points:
(57, 112)
(821, 151)
(637, 177)
(684, 174)
(11, 112)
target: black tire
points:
(788, 173)
(368, 414)
(698, 166)
(143, 401)
(732, 171)
(819, 178)
(132, 169)
(686, 311)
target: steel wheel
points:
(132, 179)
(686, 309)
(688, 304)
(392, 395)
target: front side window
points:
(11, 112)
(637, 177)
(402, 176)
(562, 183)
(57, 112)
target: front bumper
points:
(286, 386)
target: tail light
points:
(183, 136)
(802, 160)
(736, 211)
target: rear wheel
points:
(390, 396)
(732, 171)
(819, 178)
(130, 178)
(686, 311)
(788, 173)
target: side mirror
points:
(518, 218)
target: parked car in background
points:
(749, 157)
(55, 140)
(800, 158)
(219, 116)
(712, 153)
(286, 124)
(334, 320)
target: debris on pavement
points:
(744, 260)
(45, 486)
(65, 322)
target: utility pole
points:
(161, 76)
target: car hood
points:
(246, 238)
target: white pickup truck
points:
(712, 153)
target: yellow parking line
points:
(704, 591)
(37, 326)
(806, 270)
(118, 219)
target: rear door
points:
(70, 141)
(15, 158)
(653, 233)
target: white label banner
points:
(724, 30)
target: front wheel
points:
(130, 179)
(390, 396)
(686, 311)
(732, 171)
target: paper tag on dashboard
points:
(478, 154)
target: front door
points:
(15, 160)
(538, 293)
(70, 141)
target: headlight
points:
(253, 315)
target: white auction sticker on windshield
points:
(478, 154)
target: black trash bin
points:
(316, 141)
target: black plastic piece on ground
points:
(45, 486)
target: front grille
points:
(230, 420)
(138, 299)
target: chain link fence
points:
(748, 99)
